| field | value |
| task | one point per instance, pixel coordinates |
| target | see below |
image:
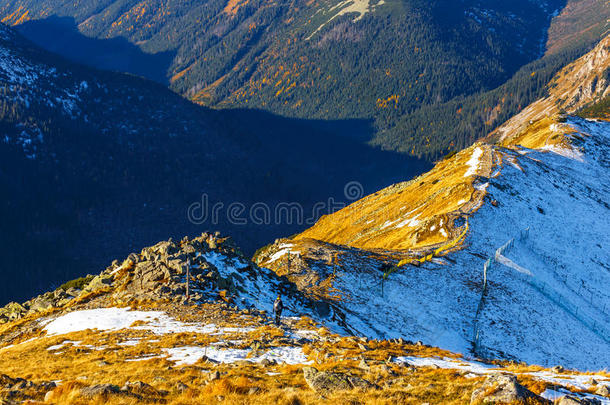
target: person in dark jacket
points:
(278, 306)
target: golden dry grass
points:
(380, 220)
(78, 366)
(541, 134)
(81, 364)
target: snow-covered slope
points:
(499, 251)
(546, 300)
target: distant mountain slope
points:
(95, 164)
(578, 85)
(399, 63)
(411, 258)
(578, 23)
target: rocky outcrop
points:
(18, 390)
(503, 389)
(217, 270)
(327, 382)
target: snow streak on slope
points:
(27, 83)
(546, 300)
(358, 7)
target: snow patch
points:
(188, 355)
(570, 153)
(112, 319)
(410, 222)
(360, 7)
(448, 363)
(284, 250)
(473, 163)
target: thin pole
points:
(188, 276)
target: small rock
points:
(214, 375)
(603, 390)
(253, 390)
(180, 386)
(558, 369)
(266, 362)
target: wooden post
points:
(188, 277)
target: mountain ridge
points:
(130, 334)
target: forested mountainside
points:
(95, 164)
(499, 250)
(423, 71)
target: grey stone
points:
(502, 389)
(99, 282)
(41, 304)
(99, 389)
(573, 400)
(603, 390)
(73, 292)
(180, 386)
(139, 388)
(327, 382)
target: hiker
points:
(278, 306)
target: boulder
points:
(59, 294)
(603, 390)
(99, 282)
(180, 387)
(502, 389)
(99, 389)
(73, 292)
(139, 388)
(40, 304)
(12, 308)
(326, 382)
(572, 400)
